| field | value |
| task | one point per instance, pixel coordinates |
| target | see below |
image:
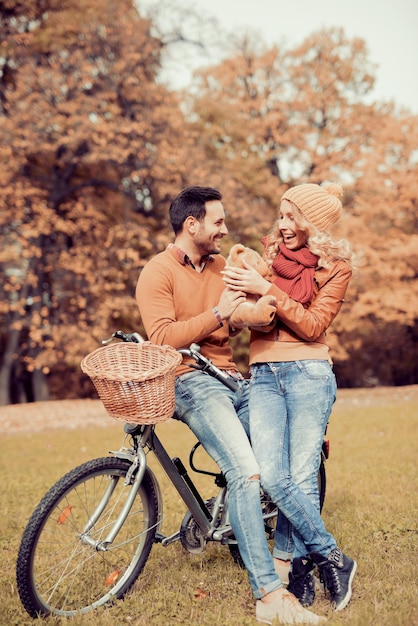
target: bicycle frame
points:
(181, 481)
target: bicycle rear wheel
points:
(322, 483)
(63, 566)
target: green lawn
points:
(371, 508)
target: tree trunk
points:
(7, 366)
(39, 386)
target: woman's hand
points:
(248, 280)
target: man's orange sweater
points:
(175, 302)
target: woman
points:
(292, 383)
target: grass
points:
(371, 508)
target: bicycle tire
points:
(59, 573)
(322, 483)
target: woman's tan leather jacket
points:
(308, 323)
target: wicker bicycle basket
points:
(135, 381)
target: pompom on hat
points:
(319, 205)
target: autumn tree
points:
(380, 332)
(93, 147)
(90, 152)
(287, 116)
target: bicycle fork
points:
(179, 478)
(102, 545)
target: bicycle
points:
(90, 536)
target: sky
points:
(389, 28)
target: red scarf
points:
(295, 272)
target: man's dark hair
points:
(191, 202)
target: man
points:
(182, 300)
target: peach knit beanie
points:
(321, 206)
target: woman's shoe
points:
(302, 581)
(336, 572)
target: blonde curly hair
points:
(318, 242)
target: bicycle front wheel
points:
(64, 565)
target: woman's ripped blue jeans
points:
(290, 404)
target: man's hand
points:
(229, 301)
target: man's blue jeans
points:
(290, 404)
(219, 419)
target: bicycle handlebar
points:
(203, 364)
(206, 365)
(120, 334)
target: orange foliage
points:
(93, 148)
(289, 116)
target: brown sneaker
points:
(286, 609)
